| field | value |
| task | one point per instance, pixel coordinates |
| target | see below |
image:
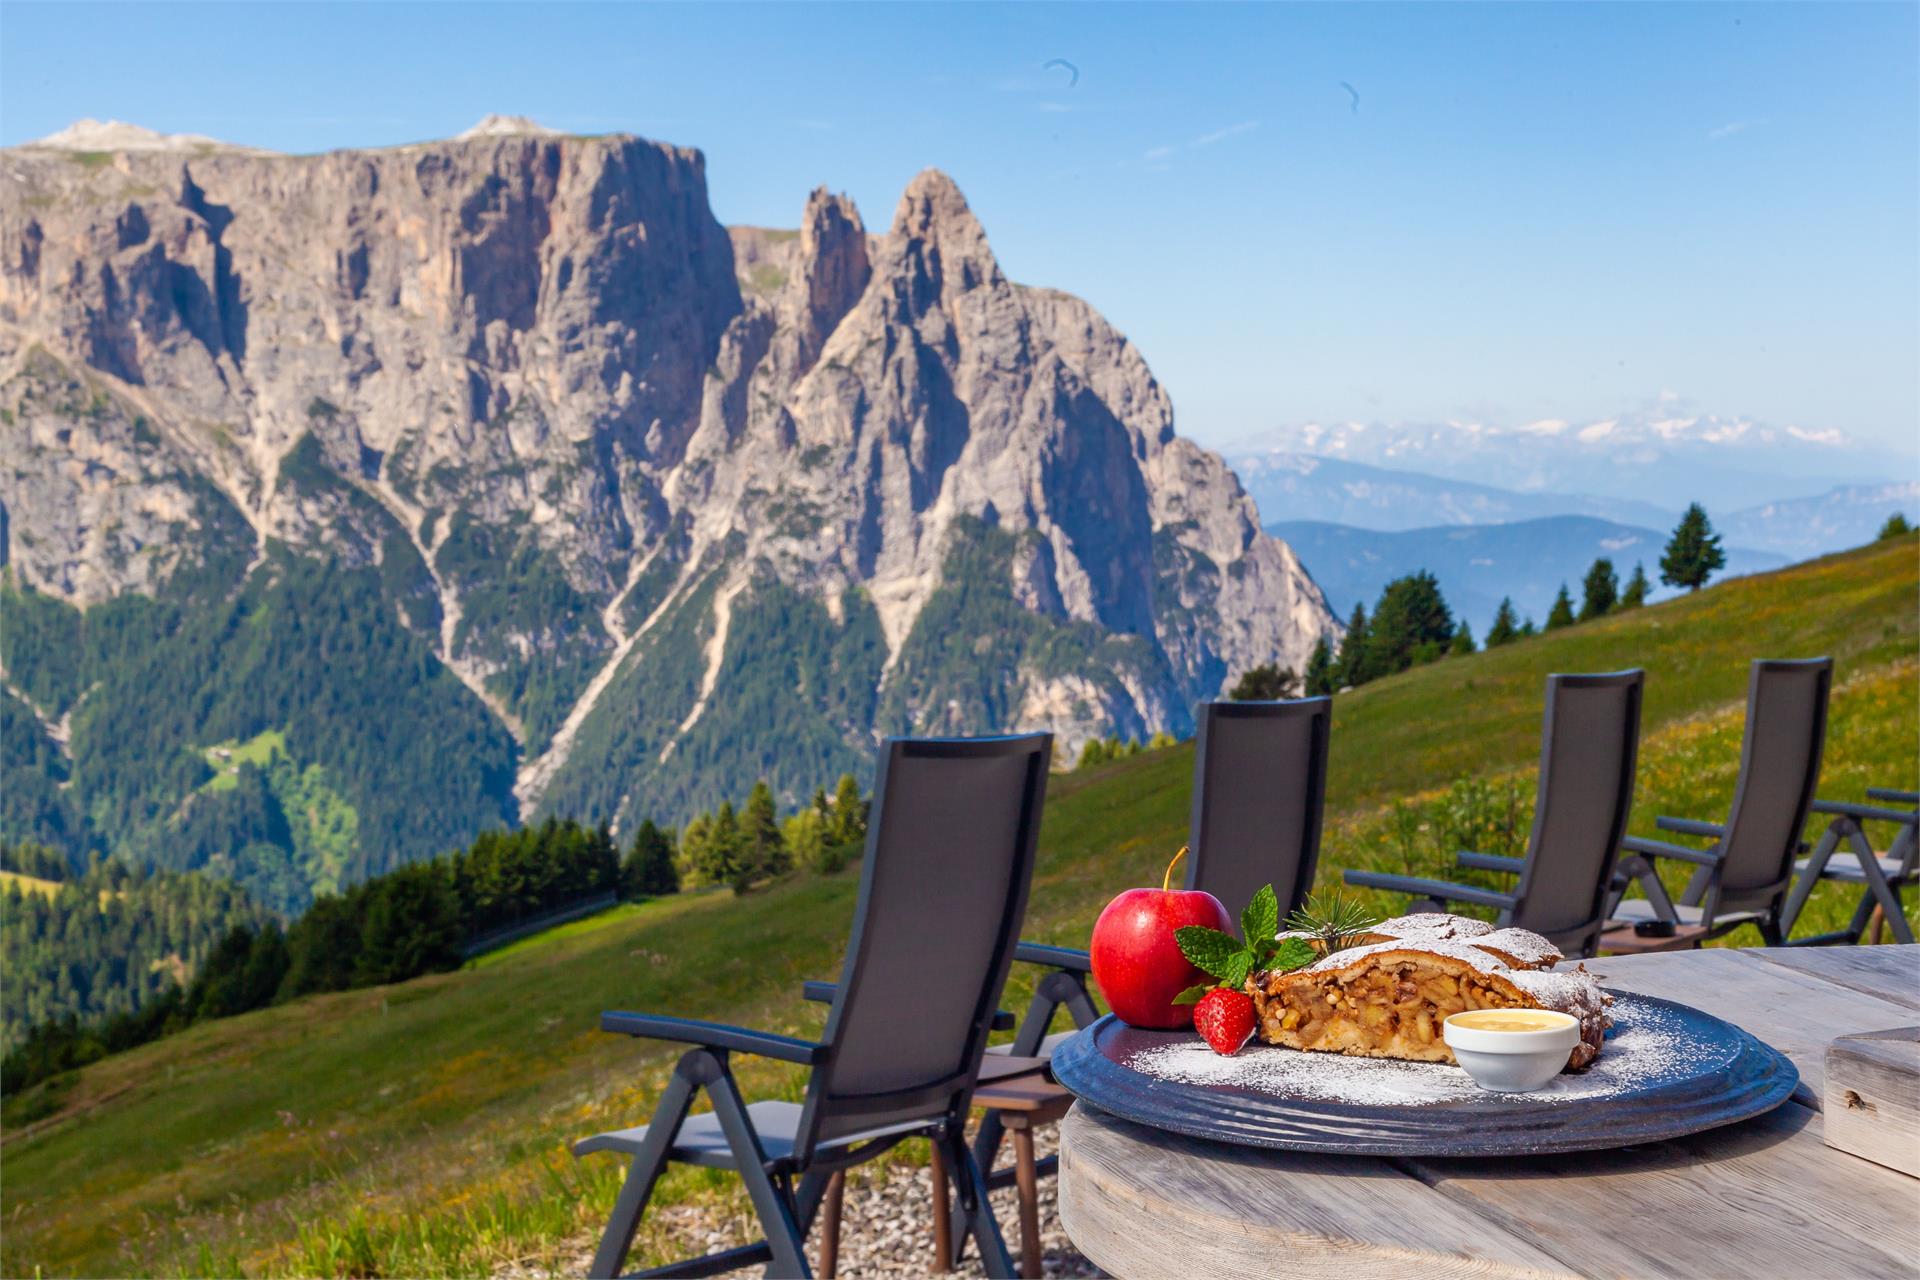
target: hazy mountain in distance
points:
(1305, 486)
(1478, 564)
(1663, 455)
(1847, 516)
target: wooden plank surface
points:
(1764, 1198)
(1890, 972)
(1873, 1098)
(1145, 1202)
(1794, 1009)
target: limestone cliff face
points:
(533, 378)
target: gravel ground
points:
(886, 1228)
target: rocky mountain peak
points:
(501, 126)
(118, 135)
(935, 227)
(623, 471)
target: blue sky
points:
(1530, 212)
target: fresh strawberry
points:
(1224, 1019)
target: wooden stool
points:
(997, 1070)
(1023, 1102)
(1623, 941)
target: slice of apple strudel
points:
(1387, 996)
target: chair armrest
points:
(1072, 959)
(1490, 862)
(714, 1035)
(1893, 796)
(1691, 827)
(1661, 849)
(1444, 890)
(1866, 812)
(824, 992)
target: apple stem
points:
(1166, 881)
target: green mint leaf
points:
(1192, 994)
(1238, 967)
(1208, 950)
(1293, 953)
(1261, 920)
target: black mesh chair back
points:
(1259, 788)
(1589, 741)
(1779, 768)
(950, 853)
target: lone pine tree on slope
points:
(1561, 615)
(1693, 554)
(1635, 593)
(1506, 625)
(1600, 592)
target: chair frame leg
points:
(707, 1070)
(1885, 894)
(976, 1209)
(1810, 877)
(772, 1198)
(648, 1163)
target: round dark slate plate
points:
(1708, 1074)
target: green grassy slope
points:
(420, 1129)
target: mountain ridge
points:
(675, 512)
(1666, 453)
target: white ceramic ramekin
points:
(1513, 1061)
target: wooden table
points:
(1766, 1197)
(1623, 941)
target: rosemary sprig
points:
(1335, 922)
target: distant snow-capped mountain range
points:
(1658, 457)
(1291, 487)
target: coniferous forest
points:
(117, 957)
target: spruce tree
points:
(649, 871)
(849, 823)
(1506, 625)
(806, 836)
(1094, 752)
(696, 850)
(1410, 624)
(1528, 629)
(1895, 527)
(1319, 676)
(1634, 594)
(726, 852)
(1600, 592)
(1462, 640)
(1268, 682)
(1561, 615)
(1693, 554)
(766, 854)
(1351, 669)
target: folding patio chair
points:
(1881, 875)
(1743, 877)
(943, 890)
(1589, 739)
(1259, 789)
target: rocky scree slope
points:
(680, 507)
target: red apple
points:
(1135, 958)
